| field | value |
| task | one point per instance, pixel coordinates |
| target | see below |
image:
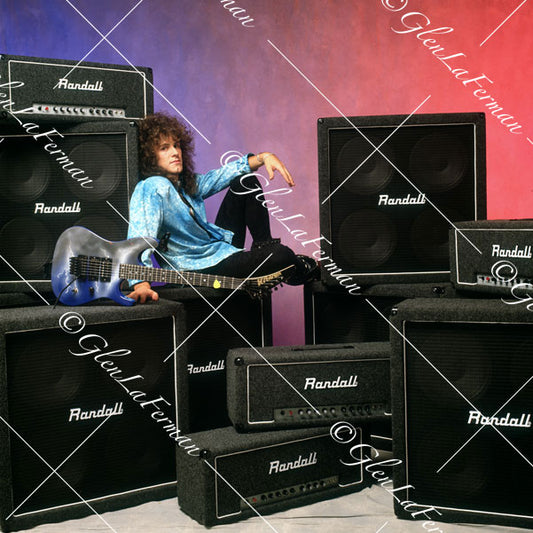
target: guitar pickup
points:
(91, 268)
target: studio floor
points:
(367, 511)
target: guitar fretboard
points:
(170, 276)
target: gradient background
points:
(241, 94)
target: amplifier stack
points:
(291, 390)
(68, 157)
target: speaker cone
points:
(24, 171)
(26, 244)
(366, 239)
(438, 162)
(101, 164)
(374, 171)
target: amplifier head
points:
(301, 386)
(61, 89)
(462, 398)
(272, 471)
(389, 188)
(492, 256)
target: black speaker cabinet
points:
(50, 183)
(78, 387)
(335, 316)
(303, 386)
(42, 89)
(385, 216)
(492, 256)
(462, 403)
(239, 475)
(243, 321)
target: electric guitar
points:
(86, 267)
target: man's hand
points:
(142, 292)
(272, 163)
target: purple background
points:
(243, 95)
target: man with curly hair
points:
(169, 202)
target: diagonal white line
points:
(481, 428)
(381, 528)
(138, 71)
(218, 307)
(369, 141)
(463, 446)
(422, 355)
(241, 497)
(102, 39)
(514, 447)
(54, 471)
(57, 473)
(227, 322)
(24, 280)
(503, 23)
(377, 149)
(524, 385)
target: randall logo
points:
(313, 383)
(77, 414)
(211, 367)
(385, 199)
(476, 417)
(276, 466)
(63, 83)
(524, 252)
(63, 208)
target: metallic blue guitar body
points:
(93, 279)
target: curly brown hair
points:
(151, 129)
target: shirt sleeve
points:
(146, 214)
(216, 180)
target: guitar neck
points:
(171, 276)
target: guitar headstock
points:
(263, 285)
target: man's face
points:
(168, 154)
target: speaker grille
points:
(51, 393)
(381, 226)
(471, 367)
(39, 197)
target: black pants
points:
(238, 212)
